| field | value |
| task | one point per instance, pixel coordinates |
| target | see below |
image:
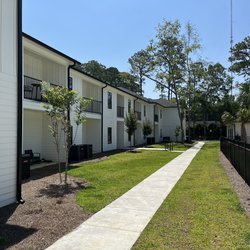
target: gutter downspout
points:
(135, 111)
(19, 103)
(102, 119)
(70, 87)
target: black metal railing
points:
(94, 106)
(138, 114)
(156, 118)
(238, 153)
(33, 89)
(120, 111)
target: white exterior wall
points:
(109, 119)
(36, 135)
(8, 101)
(171, 121)
(247, 126)
(237, 129)
(90, 131)
(45, 69)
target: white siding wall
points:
(42, 68)
(93, 135)
(78, 86)
(237, 128)
(37, 137)
(8, 101)
(109, 119)
(33, 131)
(48, 146)
(90, 132)
(171, 121)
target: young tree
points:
(60, 101)
(131, 123)
(147, 128)
(52, 109)
(177, 132)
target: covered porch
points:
(36, 136)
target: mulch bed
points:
(50, 210)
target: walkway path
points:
(119, 224)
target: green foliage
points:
(164, 61)
(241, 58)
(177, 132)
(109, 179)
(243, 115)
(227, 118)
(201, 212)
(111, 75)
(60, 101)
(147, 128)
(130, 122)
(244, 96)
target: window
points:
(161, 133)
(144, 110)
(160, 113)
(129, 105)
(109, 135)
(109, 100)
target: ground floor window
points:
(109, 135)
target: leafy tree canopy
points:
(111, 75)
(241, 58)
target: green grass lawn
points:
(109, 179)
(201, 212)
(176, 146)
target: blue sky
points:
(111, 31)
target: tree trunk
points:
(180, 117)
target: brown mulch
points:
(239, 185)
(49, 212)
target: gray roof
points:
(165, 103)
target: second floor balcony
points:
(94, 107)
(33, 89)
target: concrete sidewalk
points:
(119, 224)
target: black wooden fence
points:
(238, 153)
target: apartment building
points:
(25, 63)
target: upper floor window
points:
(160, 113)
(109, 100)
(129, 105)
(144, 110)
